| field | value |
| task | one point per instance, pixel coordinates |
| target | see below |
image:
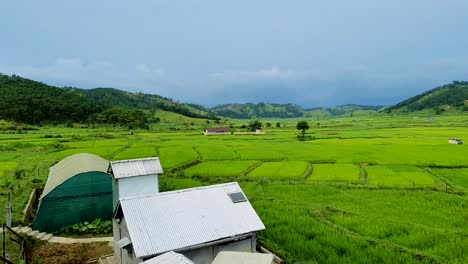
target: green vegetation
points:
(260, 110)
(96, 227)
(284, 169)
(33, 102)
(335, 172)
(219, 169)
(398, 176)
(406, 204)
(439, 99)
(7, 166)
(456, 177)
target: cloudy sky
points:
(308, 52)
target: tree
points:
(268, 124)
(278, 124)
(303, 126)
(254, 125)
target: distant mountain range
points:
(28, 101)
(265, 110)
(32, 102)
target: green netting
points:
(83, 197)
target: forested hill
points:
(260, 110)
(32, 102)
(264, 110)
(439, 99)
(115, 97)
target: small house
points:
(197, 223)
(217, 131)
(134, 177)
(455, 141)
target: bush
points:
(96, 227)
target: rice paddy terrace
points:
(363, 190)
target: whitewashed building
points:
(455, 141)
(197, 222)
(217, 131)
(134, 177)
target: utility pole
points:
(8, 211)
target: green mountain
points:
(264, 110)
(260, 110)
(343, 110)
(117, 98)
(32, 102)
(452, 96)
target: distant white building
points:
(455, 141)
(197, 223)
(256, 132)
(217, 131)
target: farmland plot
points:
(282, 169)
(174, 156)
(335, 172)
(7, 166)
(455, 176)
(398, 176)
(219, 168)
(136, 152)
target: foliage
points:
(32, 102)
(96, 227)
(335, 172)
(254, 125)
(303, 126)
(453, 95)
(260, 110)
(284, 169)
(128, 117)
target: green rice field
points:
(406, 201)
(335, 172)
(398, 176)
(219, 168)
(282, 169)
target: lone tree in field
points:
(278, 124)
(303, 126)
(254, 125)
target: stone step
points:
(106, 260)
(46, 237)
(33, 233)
(25, 229)
(41, 235)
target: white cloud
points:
(273, 73)
(75, 72)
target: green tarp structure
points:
(78, 189)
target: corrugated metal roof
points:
(229, 257)
(71, 166)
(169, 258)
(136, 167)
(178, 219)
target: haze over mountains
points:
(28, 101)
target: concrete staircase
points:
(33, 233)
(107, 259)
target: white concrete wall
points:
(138, 185)
(207, 254)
